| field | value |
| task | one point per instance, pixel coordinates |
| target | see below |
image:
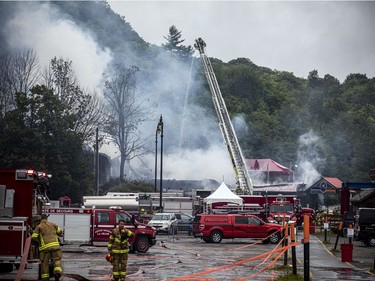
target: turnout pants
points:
(44, 257)
(120, 262)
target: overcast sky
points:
(335, 37)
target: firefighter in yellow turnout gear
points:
(45, 236)
(118, 247)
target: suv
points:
(214, 228)
(184, 222)
(164, 222)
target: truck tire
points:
(142, 245)
(274, 238)
(216, 236)
(370, 241)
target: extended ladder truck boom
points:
(244, 184)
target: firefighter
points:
(45, 236)
(118, 247)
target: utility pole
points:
(97, 161)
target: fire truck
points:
(93, 226)
(271, 208)
(244, 183)
(22, 196)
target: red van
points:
(213, 228)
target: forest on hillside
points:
(48, 120)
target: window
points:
(122, 216)
(241, 220)
(103, 217)
(253, 220)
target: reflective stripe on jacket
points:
(46, 234)
(118, 242)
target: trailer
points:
(127, 201)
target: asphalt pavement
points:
(182, 257)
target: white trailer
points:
(127, 201)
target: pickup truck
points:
(365, 226)
(212, 228)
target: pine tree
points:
(174, 45)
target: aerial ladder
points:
(243, 180)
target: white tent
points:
(223, 194)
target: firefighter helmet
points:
(108, 257)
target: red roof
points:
(335, 182)
(267, 165)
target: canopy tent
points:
(223, 194)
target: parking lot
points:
(183, 257)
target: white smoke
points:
(193, 146)
(309, 159)
(38, 26)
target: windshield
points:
(281, 208)
(161, 218)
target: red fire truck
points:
(272, 208)
(277, 210)
(93, 226)
(22, 196)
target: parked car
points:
(365, 226)
(213, 228)
(184, 222)
(164, 222)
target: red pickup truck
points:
(213, 228)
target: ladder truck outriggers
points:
(244, 183)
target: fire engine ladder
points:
(244, 184)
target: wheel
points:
(142, 245)
(216, 236)
(370, 241)
(206, 239)
(274, 238)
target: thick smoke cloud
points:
(39, 26)
(193, 145)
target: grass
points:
(288, 276)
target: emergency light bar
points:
(25, 174)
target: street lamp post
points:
(159, 129)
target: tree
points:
(18, 74)
(173, 44)
(88, 110)
(127, 112)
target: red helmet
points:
(108, 257)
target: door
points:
(241, 228)
(103, 225)
(258, 230)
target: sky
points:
(332, 37)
